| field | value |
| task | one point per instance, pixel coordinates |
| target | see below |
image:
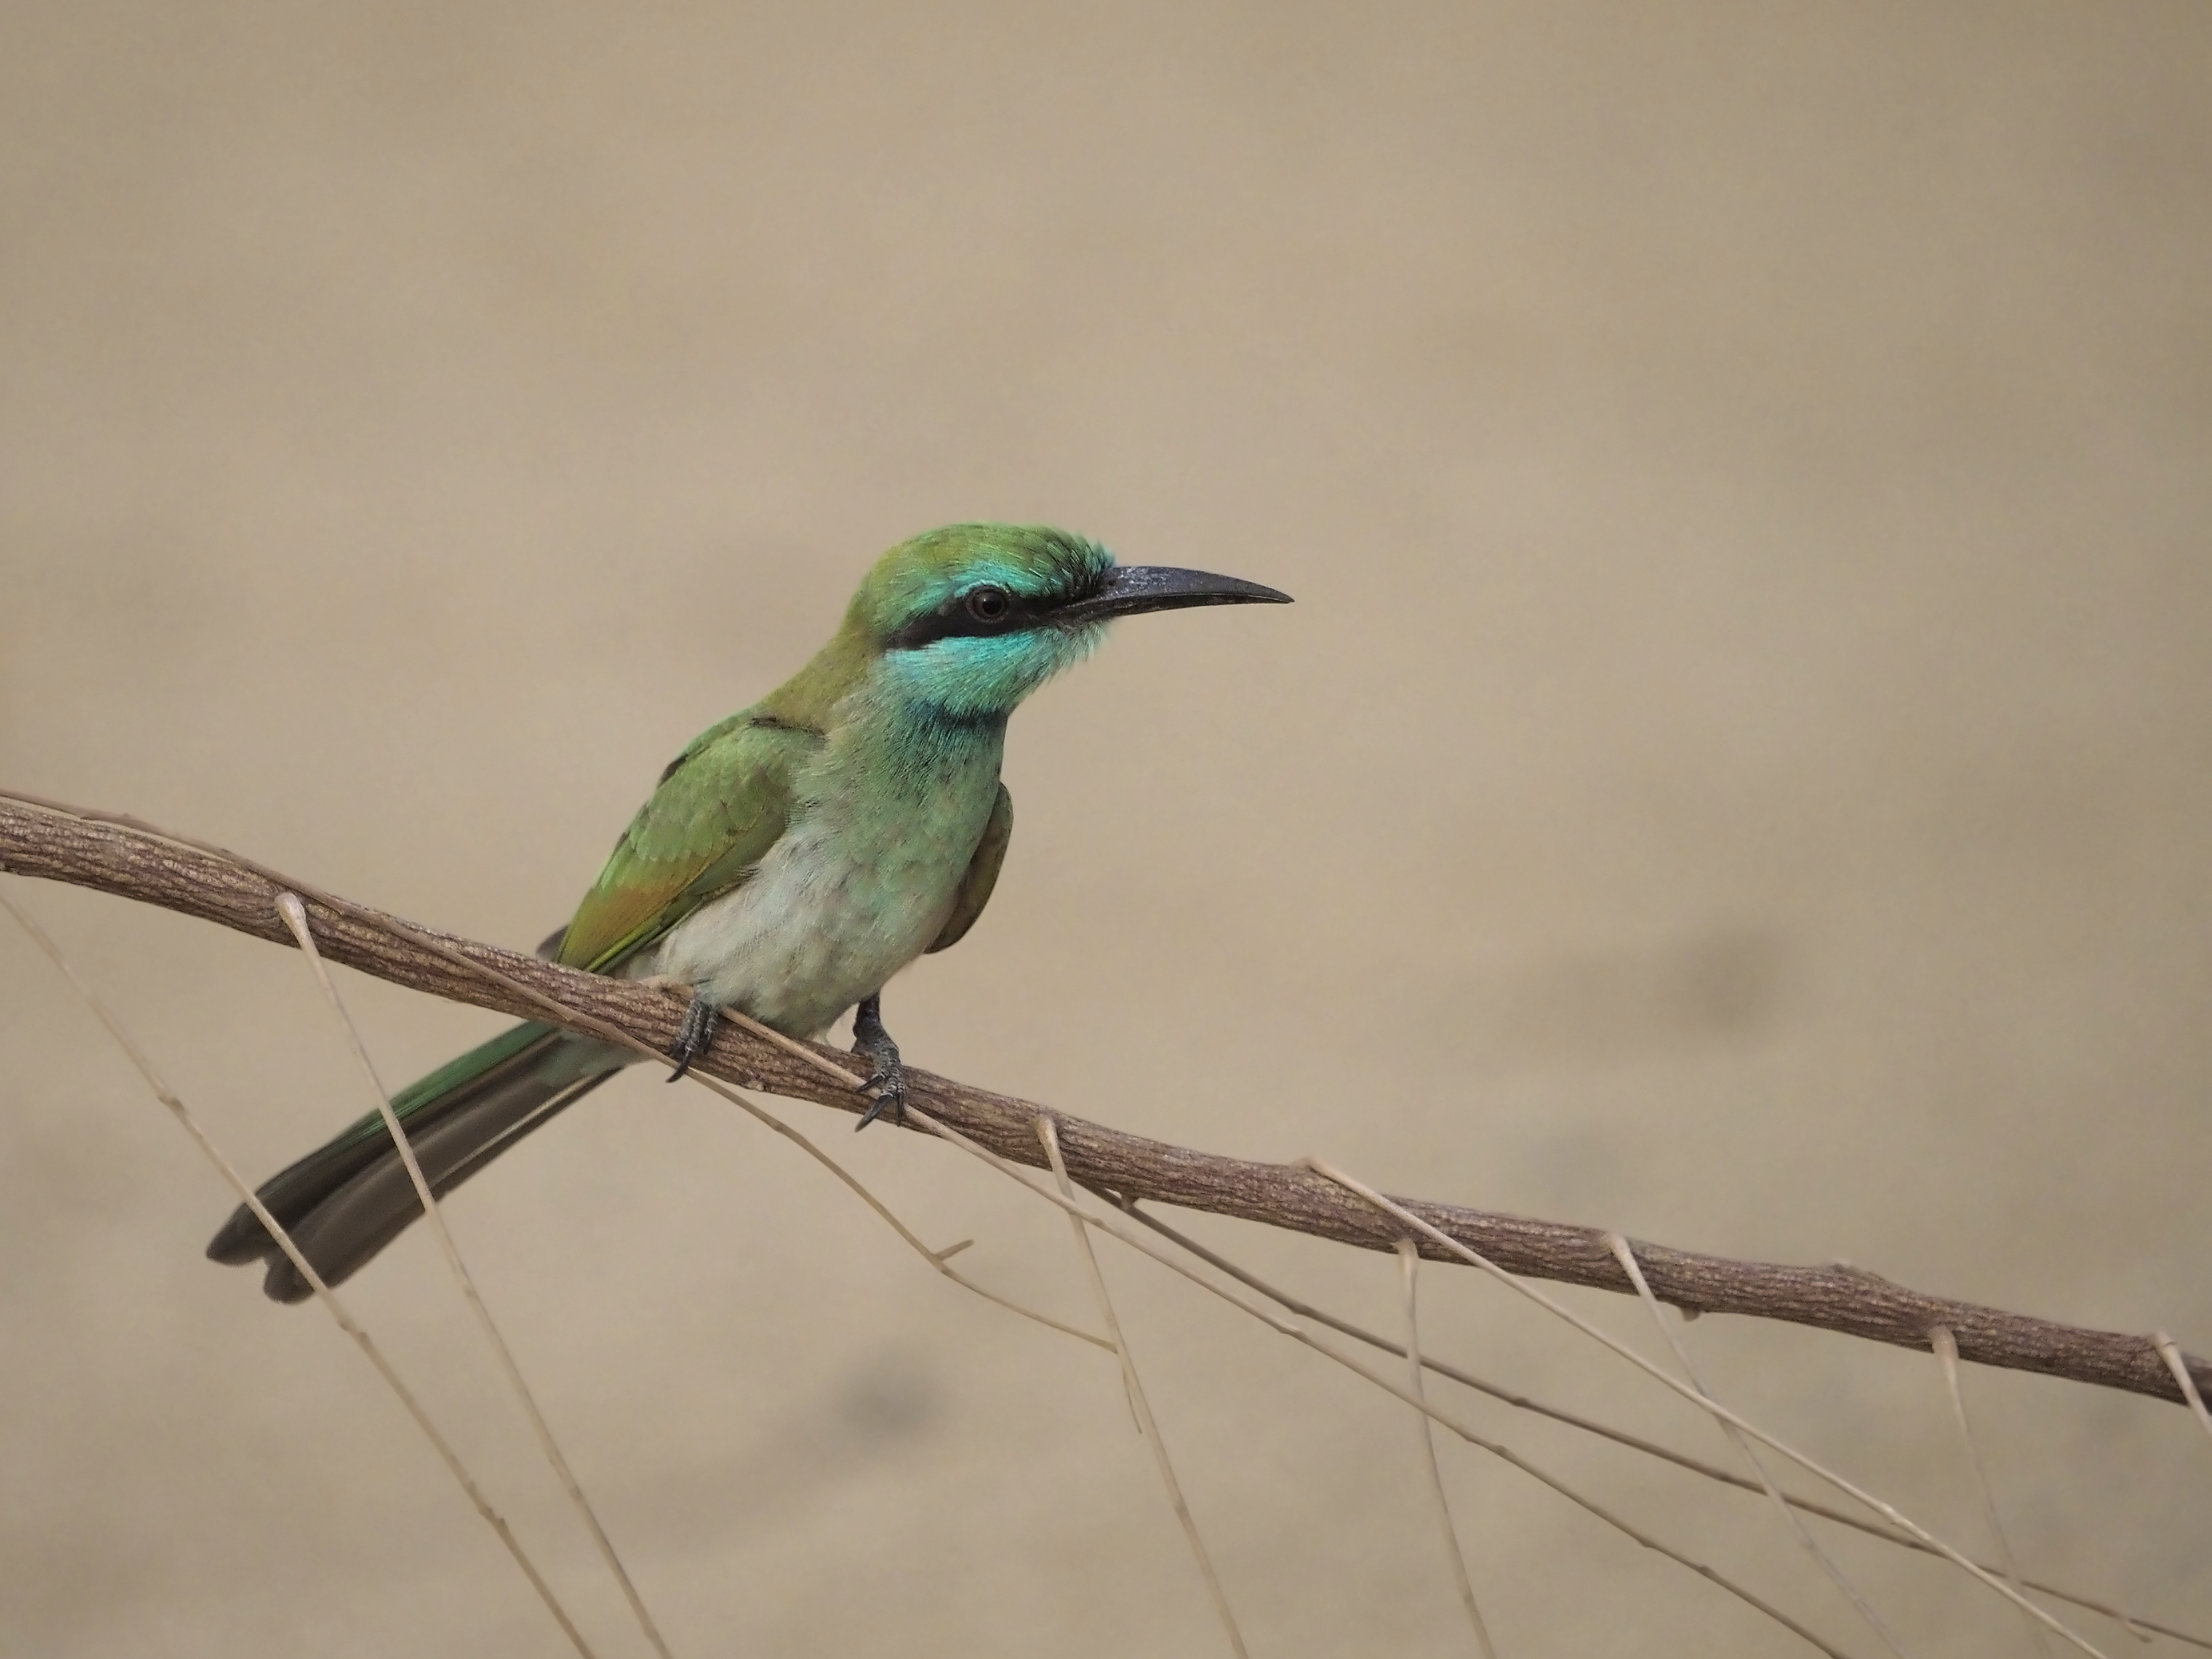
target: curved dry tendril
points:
(1888, 1511)
(1297, 1333)
(295, 918)
(324, 1293)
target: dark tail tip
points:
(346, 1201)
(283, 1282)
(239, 1240)
(244, 1241)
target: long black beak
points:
(1130, 588)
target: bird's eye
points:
(989, 605)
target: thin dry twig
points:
(1409, 1262)
(1888, 1511)
(327, 1297)
(1734, 1437)
(2181, 1368)
(1297, 1333)
(295, 917)
(2135, 1626)
(939, 1260)
(1135, 1387)
(1947, 1359)
(117, 853)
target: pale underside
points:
(859, 884)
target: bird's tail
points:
(347, 1201)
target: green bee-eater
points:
(794, 857)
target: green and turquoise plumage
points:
(793, 858)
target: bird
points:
(791, 860)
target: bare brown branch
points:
(116, 855)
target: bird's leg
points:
(870, 1041)
(694, 1034)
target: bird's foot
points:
(695, 1035)
(874, 1043)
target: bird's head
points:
(972, 619)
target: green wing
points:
(721, 805)
(983, 873)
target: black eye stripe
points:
(962, 617)
(957, 618)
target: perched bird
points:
(793, 858)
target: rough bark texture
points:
(116, 855)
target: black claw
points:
(875, 1043)
(890, 1083)
(695, 1035)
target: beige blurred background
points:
(1737, 772)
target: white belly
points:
(833, 912)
